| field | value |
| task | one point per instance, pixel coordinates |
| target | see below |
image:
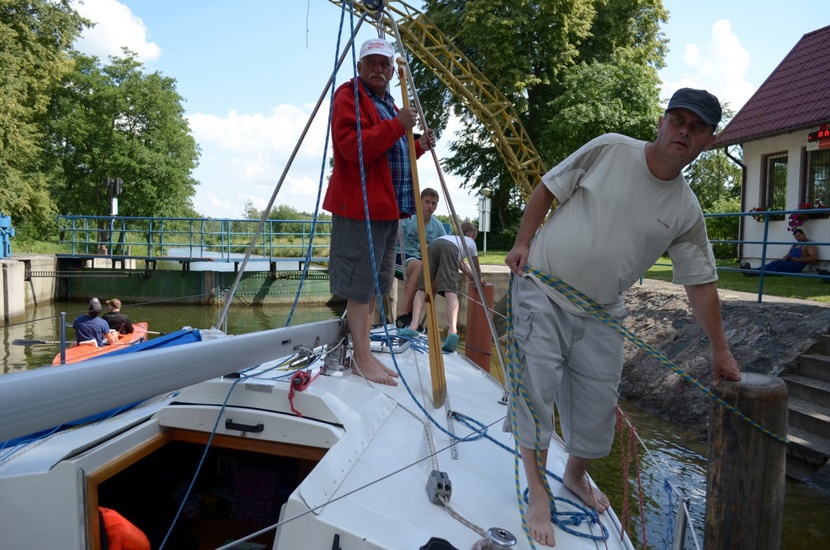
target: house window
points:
(774, 192)
(817, 177)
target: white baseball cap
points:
(376, 46)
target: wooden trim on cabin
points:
(274, 448)
(108, 470)
(308, 456)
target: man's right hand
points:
(408, 116)
(516, 259)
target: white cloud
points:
(244, 157)
(720, 66)
(115, 27)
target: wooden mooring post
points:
(746, 467)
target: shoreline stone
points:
(765, 338)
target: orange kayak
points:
(81, 352)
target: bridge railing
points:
(757, 249)
(205, 239)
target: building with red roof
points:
(784, 133)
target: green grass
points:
(39, 247)
(803, 288)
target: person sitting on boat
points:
(446, 255)
(117, 321)
(800, 256)
(622, 203)
(387, 175)
(409, 260)
(91, 327)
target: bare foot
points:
(590, 495)
(538, 519)
(374, 371)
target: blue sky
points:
(251, 73)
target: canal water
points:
(669, 456)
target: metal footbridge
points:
(283, 244)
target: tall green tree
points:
(573, 69)
(714, 176)
(35, 37)
(116, 121)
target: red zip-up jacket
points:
(344, 195)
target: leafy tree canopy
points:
(115, 121)
(35, 36)
(573, 69)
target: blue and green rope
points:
(517, 387)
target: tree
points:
(599, 98)
(116, 121)
(713, 176)
(543, 55)
(35, 36)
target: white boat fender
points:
(439, 487)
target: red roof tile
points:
(794, 97)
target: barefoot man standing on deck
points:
(622, 204)
(387, 174)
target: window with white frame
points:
(774, 182)
(816, 178)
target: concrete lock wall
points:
(200, 287)
(14, 295)
(41, 286)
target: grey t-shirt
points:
(615, 219)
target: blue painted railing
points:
(765, 217)
(194, 239)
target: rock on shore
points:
(764, 337)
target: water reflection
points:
(43, 323)
(679, 457)
(673, 454)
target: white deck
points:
(370, 487)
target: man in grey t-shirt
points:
(622, 204)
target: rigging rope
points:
(628, 450)
(599, 312)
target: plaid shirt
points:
(398, 157)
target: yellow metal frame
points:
(472, 87)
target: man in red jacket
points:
(387, 175)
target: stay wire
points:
(454, 215)
(267, 210)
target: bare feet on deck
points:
(538, 519)
(373, 370)
(590, 495)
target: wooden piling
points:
(746, 468)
